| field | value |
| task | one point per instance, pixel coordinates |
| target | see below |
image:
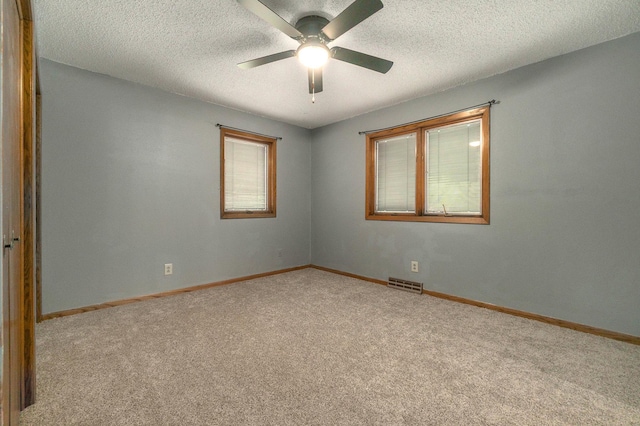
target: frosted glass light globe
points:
(313, 55)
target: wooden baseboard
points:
(164, 294)
(536, 317)
(347, 274)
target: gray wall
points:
(130, 181)
(564, 238)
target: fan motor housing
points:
(312, 25)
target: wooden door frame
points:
(29, 201)
(38, 165)
(21, 354)
(12, 284)
(28, 235)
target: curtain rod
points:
(247, 131)
(491, 102)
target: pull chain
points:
(313, 86)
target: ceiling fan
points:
(314, 33)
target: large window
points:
(433, 171)
(248, 175)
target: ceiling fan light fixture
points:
(314, 33)
(313, 54)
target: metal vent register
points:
(405, 285)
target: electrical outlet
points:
(414, 266)
(168, 268)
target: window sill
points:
(474, 220)
(247, 215)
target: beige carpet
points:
(310, 347)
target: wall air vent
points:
(405, 285)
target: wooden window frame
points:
(271, 175)
(420, 128)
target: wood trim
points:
(12, 208)
(166, 293)
(25, 9)
(482, 113)
(420, 171)
(470, 220)
(370, 179)
(486, 166)
(38, 165)
(635, 340)
(28, 376)
(271, 174)
(541, 318)
(348, 274)
(432, 122)
(536, 317)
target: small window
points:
(248, 175)
(433, 171)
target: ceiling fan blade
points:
(315, 80)
(266, 59)
(271, 17)
(361, 59)
(357, 12)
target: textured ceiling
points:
(191, 47)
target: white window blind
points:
(454, 169)
(396, 174)
(245, 175)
